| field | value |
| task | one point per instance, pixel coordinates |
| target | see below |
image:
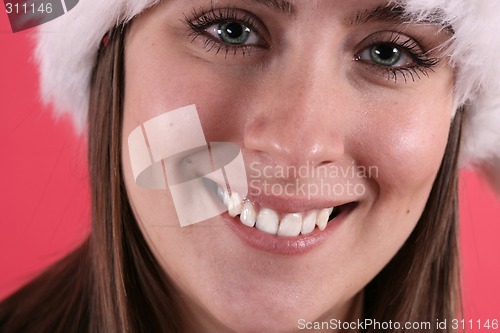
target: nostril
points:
(325, 163)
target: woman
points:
(308, 91)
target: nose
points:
(298, 118)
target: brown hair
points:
(422, 282)
(113, 283)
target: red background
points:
(44, 196)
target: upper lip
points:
(291, 204)
(296, 204)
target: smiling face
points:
(311, 85)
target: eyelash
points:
(423, 61)
(202, 19)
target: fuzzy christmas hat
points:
(67, 47)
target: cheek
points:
(406, 143)
(159, 84)
(154, 86)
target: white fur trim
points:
(474, 51)
(67, 47)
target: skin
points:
(337, 112)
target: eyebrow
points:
(377, 14)
(395, 14)
(383, 13)
(281, 6)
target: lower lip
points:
(284, 245)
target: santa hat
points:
(67, 47)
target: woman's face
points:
(345, 87)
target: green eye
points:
(233, 32)
(385, 55)
(394, 55)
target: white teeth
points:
(309, 222)
(322, 219)
(248, 215)
(267, 221)
(235, 205)
(290, 225)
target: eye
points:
(228, 31)
(234, 33)
(387, 55)
(393, 55)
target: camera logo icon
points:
(170, 152)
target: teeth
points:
(309, 222)
(322, 219)
(290, 225)
(235, 205)
(248, 215)
(267, 221)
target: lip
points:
(286, 245)
(295, 204)
(288, 204)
